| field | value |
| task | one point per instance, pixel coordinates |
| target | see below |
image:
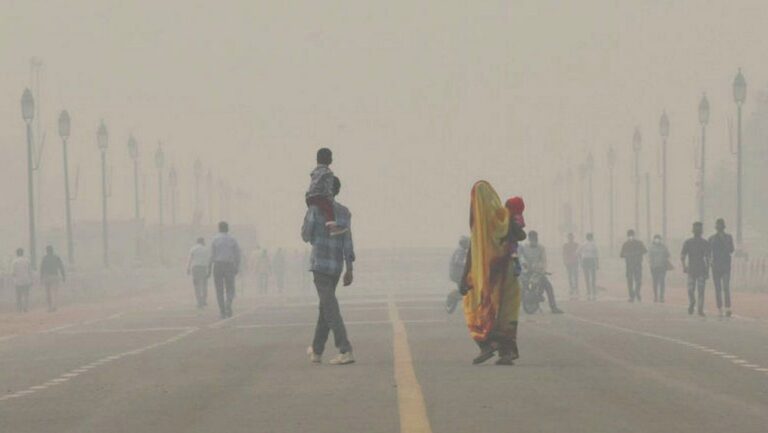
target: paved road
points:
(603, 367)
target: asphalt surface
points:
(605, 366)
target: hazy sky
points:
(417, 98)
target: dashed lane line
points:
(736, 360)
(65, 377)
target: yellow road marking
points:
(413, 412)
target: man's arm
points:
(684, 253)
(61, 269)
(349, 253)
(308, 228)
(730, 246)
(543, 259)
(238, 254)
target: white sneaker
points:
(342, 359)
(313, 357)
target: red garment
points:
(324, 204)
(516, 206)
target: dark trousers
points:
(659, 283)
(696, 286)
(200, 280)
(634, 281)
(722, 287)
(590, 277)
(22, 298)
(224, 279)
(573, 278)
(329, 315)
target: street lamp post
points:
(28, 114)
(664, 132)
(209, 182)
(582, 170)
(703, 120)
(159, 162)
(64, 129)
(739, 96)
(102, 140)
(173, 183)
(198, 168)
(611, 159)
(590, 169)
(637, 140)
(133, 152)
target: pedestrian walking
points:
(491, 288)
(51, 275)
(632, 252)
(21, 273)
(590, 263)
(697, 252)
(658, 260)
(331, 253)
(456, 273)
(225, 263)
(278, 268)
(721, 244)
(198, 266)
(571, 262)
(263, 270)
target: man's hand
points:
(348, 278)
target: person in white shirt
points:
(21, 272)
(588, 255)
(199, 267)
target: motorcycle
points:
(534, 286)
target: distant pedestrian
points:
(198, 266)
(658, 259)
(51, 275)
(278, 268)
(225, 262)
(697, 252)
(632, 252)
(571, 262)
(722, 247)
(590, 263)
(263, 270)
(456, 273)
(21, 273)
(330, 254)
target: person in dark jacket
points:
(697, 252)
(658, 259)
(51, 275)
(632, 252)
(721, 244)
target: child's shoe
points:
(334, 229)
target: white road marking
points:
(126, 330)
(733, 358)
(78, 371)
(353, 322)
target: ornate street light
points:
(611, 162)
(64, 131)
(159, 163)
(739, 96)
(664, 132)
(637, 140)
(704, 121)
(102, 140)
(28, 114)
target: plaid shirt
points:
(329, 253)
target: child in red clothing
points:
(320, 192)
(516, 206)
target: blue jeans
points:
(329, 315)
(696, 284)
(722, 288)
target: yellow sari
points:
(490, 264)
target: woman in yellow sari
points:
(492, 291)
